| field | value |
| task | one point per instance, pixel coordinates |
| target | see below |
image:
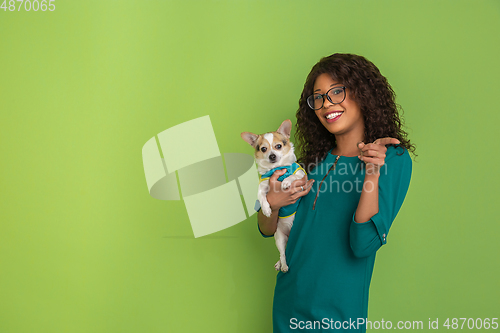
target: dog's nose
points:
(272, 157)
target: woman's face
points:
(350, 114)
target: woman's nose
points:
(326, 102)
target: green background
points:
(84, 248)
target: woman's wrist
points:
(371, 181)
(273, 205)
(372, 173)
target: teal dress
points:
(330, 256)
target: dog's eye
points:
(278, 146)
(263, 149)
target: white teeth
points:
(333, 115)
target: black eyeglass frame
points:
(323, 96)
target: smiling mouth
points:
(333, 116)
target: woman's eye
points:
(337, 91)
(263, 149)
(317, 96)
(278, 146)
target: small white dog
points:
(274, 151)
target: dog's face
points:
(272, 149)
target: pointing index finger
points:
(387, 141)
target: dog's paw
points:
(281, 266)
(284, 266)
(286, 183)
(266, 210)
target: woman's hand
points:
(277, 197)
(373, 154)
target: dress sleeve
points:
(366, 238)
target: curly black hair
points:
(371, 91)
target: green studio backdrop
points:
(85, 248)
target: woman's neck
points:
(347, 144)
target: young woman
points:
(352, 145)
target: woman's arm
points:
(369, 230)
(268, 225)
(373, 154)
(368, 201)
(278, 198)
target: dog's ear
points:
(285, 128)
(250, 138)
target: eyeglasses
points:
(336, 95)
